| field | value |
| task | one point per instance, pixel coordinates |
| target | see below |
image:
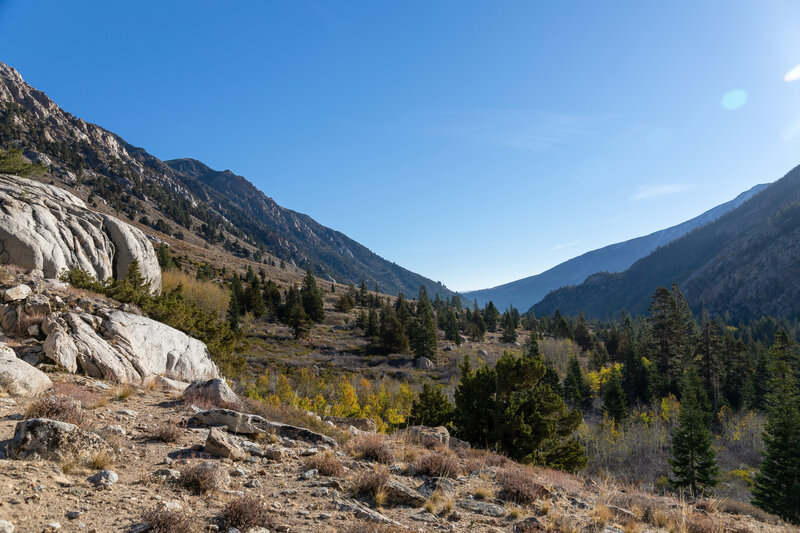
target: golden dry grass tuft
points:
(209, 296)
(166, 432)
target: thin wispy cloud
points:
(518, 129)
(646, 192)
(565, 245)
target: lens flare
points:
(792, 75)
(734, 99)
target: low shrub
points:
(370, 483)
(201, 478)
(167, 432)
(372, 447)
(57, 407)
(519, 485)
(437, 464)
(244, 513)
(327, 464)
(167, 521)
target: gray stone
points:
(51, 439)
(215, 391)
(426, 436)
(220, 444)
(18, 378)
(529, 525)
(37, 305)
(104, 478)
(167, 474)
(310, 474)
(16, 293)
(235, 421)
(359, 510)
(484, 508)
(6, 526)
(46, 228)
(400, 494)
(60, 348)
(446, 487)
(423, 363)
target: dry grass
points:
(210, 297)
(201, 478)
(483, 494)
(477, 460)
(27, 321)
(167, 432)
(100, 461)
(288, 414)
(370, 483)
(737, 508)
(372, 447)
(327, 464)
(123, 392)
(601, 515)
(88, 398)
(437, 464)
(167, 521)
(57, 407)
(519, 484)
(362, 526)
(244, 513)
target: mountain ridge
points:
(744, 265)
(219, 207)
(617, 257)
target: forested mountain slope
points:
(746, 263)
(220, 207)
(612, 258)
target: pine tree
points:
(298, 320)
(236, 303)
(311, 296)
(510, 409)
(373, 328)
(509, 330)
(615, 402)
(392, 333)
(576, 391)
(581, 333)
(777, 483)
(694, 464)
(423, 332)
(432, 407)
(491, 316)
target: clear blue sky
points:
(472, 142)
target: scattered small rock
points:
(104, 478)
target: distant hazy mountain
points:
(219, 206)
(746, 264)
(617, 257)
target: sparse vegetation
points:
(57, 407)
(437, 464)
(326, 463)
(201, 477)
(244, 513)
(371, 447)
(167, 521)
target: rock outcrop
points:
(126, 348)
(51, 439)
(18, 377)
(46, 228)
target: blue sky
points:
(473, 142)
